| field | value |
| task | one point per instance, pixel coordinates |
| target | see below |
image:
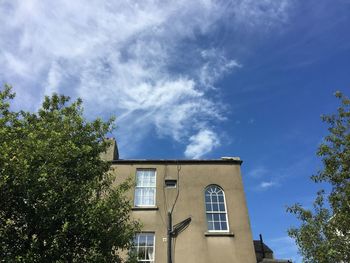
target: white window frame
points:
(142, 204)
(136, 246)
(216, 212)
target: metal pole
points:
(170, 229)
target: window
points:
(144, 247)
(215, 208)
(145, 190)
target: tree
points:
(57, 203)
(324, 233)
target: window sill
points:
(219, 234)
(144, 208)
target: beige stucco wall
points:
(193, 245)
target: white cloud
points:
(215, 65)
(267, 178)
(137, 60)
(270, 178)
(266, 185)
(54, 77)
(263, 12)
(258, 172)
(18, 66)
(201, 143)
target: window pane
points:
(141, 253)
(223, 225)
(208, 207)
(217, 226)
(138, 196)
(216, 217)
(222, 207)
(210, 226)
(150, 200)
(153, 180)
(223, 217)
(150, 239)
(148, 180)
(138, 180)
(149, 253)
(210, 217)
(142, 240)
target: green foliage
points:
(57, 203)
(324, 234)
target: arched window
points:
(215, 207)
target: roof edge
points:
(175, 161)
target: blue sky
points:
(195, 79)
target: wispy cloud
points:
(138, 60)
(266, 185)
(258, 172)
(266, 177)
(215, 65)
(267, 12)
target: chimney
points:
(112, 152)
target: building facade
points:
(207, 194)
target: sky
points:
(195, 79)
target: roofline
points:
(174, 161)
(259, 249)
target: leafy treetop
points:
(57, 202)
(324, 233)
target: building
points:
(207, 196)
(264, 254)
(262, 251)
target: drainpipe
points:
(169, 235)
